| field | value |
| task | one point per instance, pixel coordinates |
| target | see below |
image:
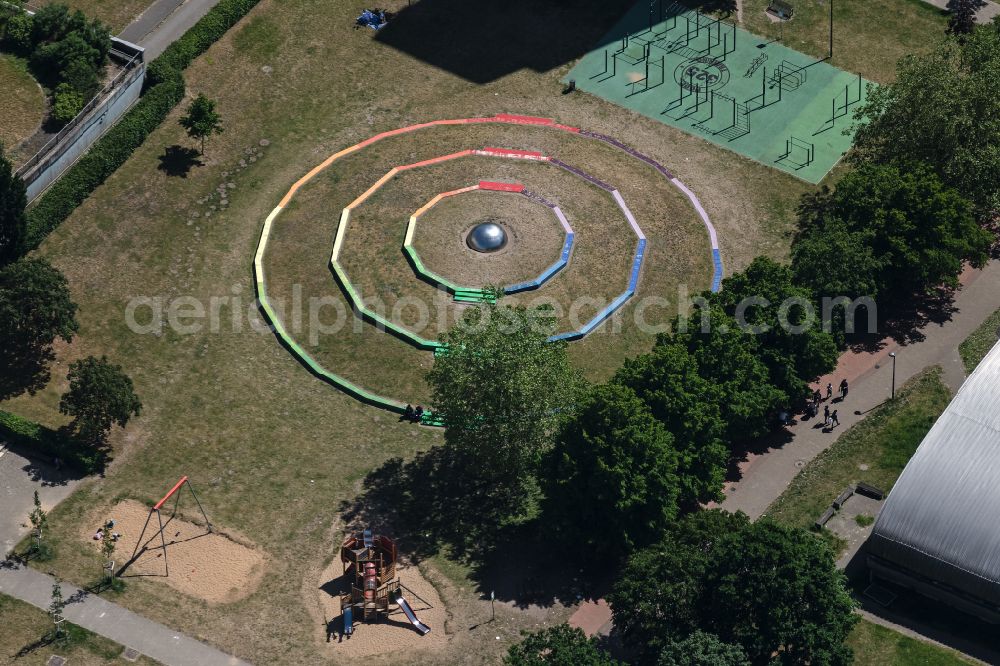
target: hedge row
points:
(164, 90)
(41, 440)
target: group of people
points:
(830, 418)
(107, 527)
(413, 414)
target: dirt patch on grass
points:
(393, 633)
(208, 565)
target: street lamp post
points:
(892, 355)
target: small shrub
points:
(68, 103)
(864, 520)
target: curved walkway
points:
(112, 621)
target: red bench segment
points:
(500, 187)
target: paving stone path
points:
(112, 621)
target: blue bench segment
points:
(640, 252)
(547, 274)
(717, 270)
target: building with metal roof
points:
(938, 532)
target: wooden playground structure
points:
(372, 560)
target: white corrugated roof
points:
(942, 518)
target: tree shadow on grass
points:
(484, 41)
(432, 506)
(179, 160)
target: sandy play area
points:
(396, 634)
(209, 566)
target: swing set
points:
(141, 546)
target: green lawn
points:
(869, 37)
(980, 342)
(23, 640)
(875, 645)
(884, 442)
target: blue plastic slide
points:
(348, 620)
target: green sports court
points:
(712, 79)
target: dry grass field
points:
(22, 104)
(272, 451)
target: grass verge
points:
(25, 639)
(875, 645)
(975, 347)
(882, 443)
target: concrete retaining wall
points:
(96, 118)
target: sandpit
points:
(395, 634)
(209, 566)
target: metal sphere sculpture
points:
(487, 237)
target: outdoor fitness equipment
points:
(798, 153)
(140, 545)
(372, 560)
(840, 110)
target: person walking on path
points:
(834, 421)
(843, 389)
(826, 414)
(829, 390)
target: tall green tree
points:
(916, 230)
(35, 308)
(100, 395)
(201, 120)
(560, 645)
(782, 314)
(729, 358)
(668, 381)
(772, 590)
(13, 220)
(943, 109)
(503, 391)
(611, 481)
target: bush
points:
(17, 33)
(38, 439)
(68, 102)
(164, 89)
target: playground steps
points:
(430, 419)
(473, 296)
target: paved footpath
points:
(20, 477)
(163, 22)
(766, 476)
(984, 15)
(107, 619)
